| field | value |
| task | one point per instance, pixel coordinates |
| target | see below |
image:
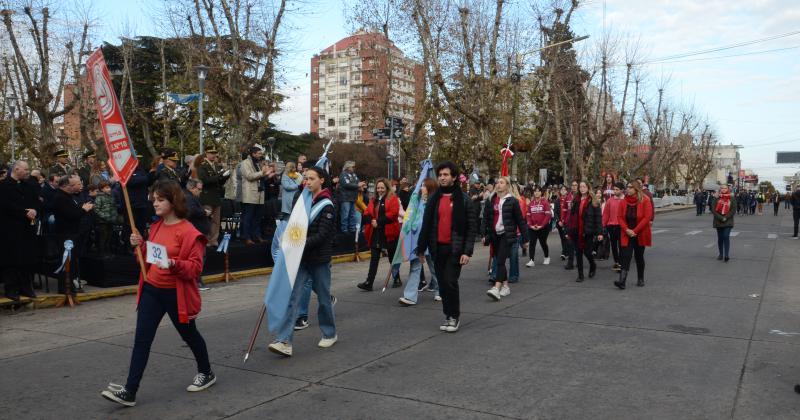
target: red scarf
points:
(723, 204)
(632, 200)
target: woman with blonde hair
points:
(634, 217)
(503, 222)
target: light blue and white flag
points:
(288, 244)
(183, 98)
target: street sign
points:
(395, 122)
(787, 157)
(542, 176)
(121, 155)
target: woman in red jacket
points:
(538, 215)
(382, 230)
(169, 287)
(634, 222)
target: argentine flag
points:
(412, 221)
(288, 244)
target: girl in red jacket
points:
(169, 287)
(538, 215)
(382, 230)
(634, 223)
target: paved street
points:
(703, 340)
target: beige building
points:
(357, 82)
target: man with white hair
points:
(348, 191)
(19, 208)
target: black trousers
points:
(796, 217)
(700, 208)
(566, 244)
(502, 252)
(448, 270)
(153, 304)
(375, 257)
(633, 250)
(541, 237)
(585, 251)
(613, 238)
(775, 207)
(17, 279)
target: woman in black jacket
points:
(503, 223)
(585, 224)
(315, 266)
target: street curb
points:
(50, 301)
(673, 208)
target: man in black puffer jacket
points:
(795, 200)
(448, 230)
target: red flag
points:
(121, 156)
(507, 155)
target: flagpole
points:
(139, 256)
(254, 334)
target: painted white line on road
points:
(779, 332)
(694, 232)
(709, 245)
(735, 233)
(772, 236)
(660, 231)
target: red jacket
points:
(189, 265)
(392, 227)
(611, 210)
(644, 213)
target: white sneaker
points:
(454, 324)
(281, 348)
(547, 261)
(530, 264)
(437, 298)
(444, 325)
(505, 291)
(494, 293)
(406, 302)
(327, 342)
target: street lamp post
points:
(202, 73)
(12, 105)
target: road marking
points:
(735, 233)
(779, 332)
(772, 236)
(660, 231)
(694, 232)
(709, 245)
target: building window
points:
(342, 108)
(331, 122)
(342, 136)
(343, 81)
(342, 121)
(343, 95)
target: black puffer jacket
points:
(512, 220)
(320, 235)
(592, 219)
(462, 238)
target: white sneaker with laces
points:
(283, 349)
(327, 342)
(454, 324)
(547, 261)
(530, 264)
(444, 325)
(494, 293)
(505, 291)
(437, 298)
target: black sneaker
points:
(422, 285)
(301, 324)
(365, 286)
(119, 395)
(201, 382)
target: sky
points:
(751, 100)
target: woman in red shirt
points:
(538, 215)
(634, 222)
(169, 287)
(382, 230)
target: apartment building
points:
(358, 81)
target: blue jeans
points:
(319, 275)
(251, 221)
(724, 240)
(347, 222)
(513, 261)
(412, 284)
